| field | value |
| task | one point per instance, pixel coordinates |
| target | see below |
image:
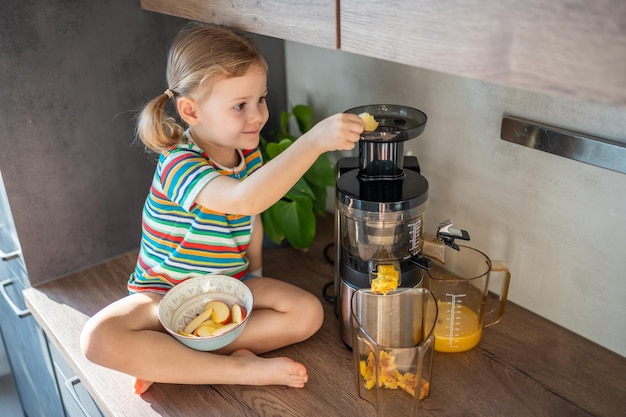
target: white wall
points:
(559, 224)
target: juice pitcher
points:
(460, 283)
(393, 348)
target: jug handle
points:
(494, 316)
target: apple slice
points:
(193, 324)
(370, 123)
(237, 313)
(221, 311)
(224, 329)
(207, 328)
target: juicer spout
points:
(435, 246)
(447, 234)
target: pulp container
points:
(393, 348)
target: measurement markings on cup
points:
(455, 312)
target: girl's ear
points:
(187, 110)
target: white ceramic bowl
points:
(186, 300)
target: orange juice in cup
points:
(460, 284)
(457, 329)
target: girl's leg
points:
(127, 336)
(282, 314)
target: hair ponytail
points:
(155, 128)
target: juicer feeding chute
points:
(380, 205)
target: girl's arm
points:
(269, 183)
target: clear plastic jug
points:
(461, 285)
(393, 348)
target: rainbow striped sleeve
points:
(183, 174)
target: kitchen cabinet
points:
(564, 47)
(313, 23)
(76, 398)
(24, 340)
(27, 352)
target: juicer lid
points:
(396, 123)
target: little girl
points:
(207, 193)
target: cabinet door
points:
(16, 268)
(76, 398)
(558, 47)
(27, 351)
(313, 22)
(10, 251)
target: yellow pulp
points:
(387, 279)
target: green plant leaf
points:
(284, 144)
(297, 221)
(319, 203)
(300, 190)
(284, 124)
(272, 150)
(304, 117)
(322, 172)
(271, 228)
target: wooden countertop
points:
(523, 366)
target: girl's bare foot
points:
(271, 371)
(140, 385)
(255, 371)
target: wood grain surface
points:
(313, 23)
(575, 48)
(523, 366)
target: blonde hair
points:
(200, 55)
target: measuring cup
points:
(392, 345)
(461, 285)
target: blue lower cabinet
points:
(76, 398)
(27, 350)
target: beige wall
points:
(559, 224)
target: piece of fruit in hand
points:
(370, 123)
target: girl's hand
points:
(336, 133)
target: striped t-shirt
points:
(181, 239)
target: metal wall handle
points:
(5, 256)
(592, 150)
(70, 384)
(18, 312)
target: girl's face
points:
(233, 114)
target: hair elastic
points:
(168, 92)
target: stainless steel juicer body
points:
(380, 205)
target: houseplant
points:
(293, 217)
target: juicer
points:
(380, 206)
